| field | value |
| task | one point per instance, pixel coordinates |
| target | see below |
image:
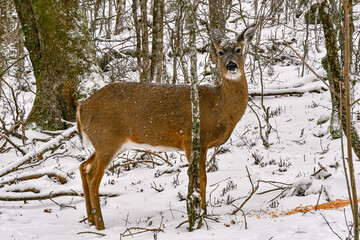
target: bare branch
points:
(13, 144)
(331, 227)
(312, 70)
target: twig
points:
(219, 182)
(181, 224)
(352, 104)
(244, 218)
(213, 157)
(160, 189)
(143, 230)
(156, 155)
(210, 197)
(271, 190)
(273, 182)
(61, 205)
(354, 4)
(88, 232)
(312, 70)
(13, 144)
(265, 141)
(317, 203)
(253, 190)
(11, 65)
(331, 227)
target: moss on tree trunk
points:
(332, 66)
(57, 39)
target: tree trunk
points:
(145, 75)
(193, 198)
(96, 13)
(217, 20)
(331, 64)
(60, 55)
(137, 26)
(109, 21)
(157, 40)
(347, 56)
(4, 23)
(120, 11)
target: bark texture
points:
(57, 39)
(332, 65)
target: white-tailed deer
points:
(124, 116)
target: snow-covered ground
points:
(298, 146)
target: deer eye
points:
(221, 53)
(238, 50)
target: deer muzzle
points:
(232, 67)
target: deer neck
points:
(235, 97)
(235, 89)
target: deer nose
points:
(231, 66)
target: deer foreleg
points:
(203, 179)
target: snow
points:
(293, 156)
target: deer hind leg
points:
(95, 172)
(92, 171)
(85, 184)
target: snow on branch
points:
(289, 91)
(58, 175)
(30, 195)
(38, 152)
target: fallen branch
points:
(29, 176)
(46, 147)
(88, 232)
(48, 195)
(288, 91)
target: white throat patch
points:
(233, 76)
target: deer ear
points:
(216, 37)
(247, 35)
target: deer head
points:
(231, 52)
